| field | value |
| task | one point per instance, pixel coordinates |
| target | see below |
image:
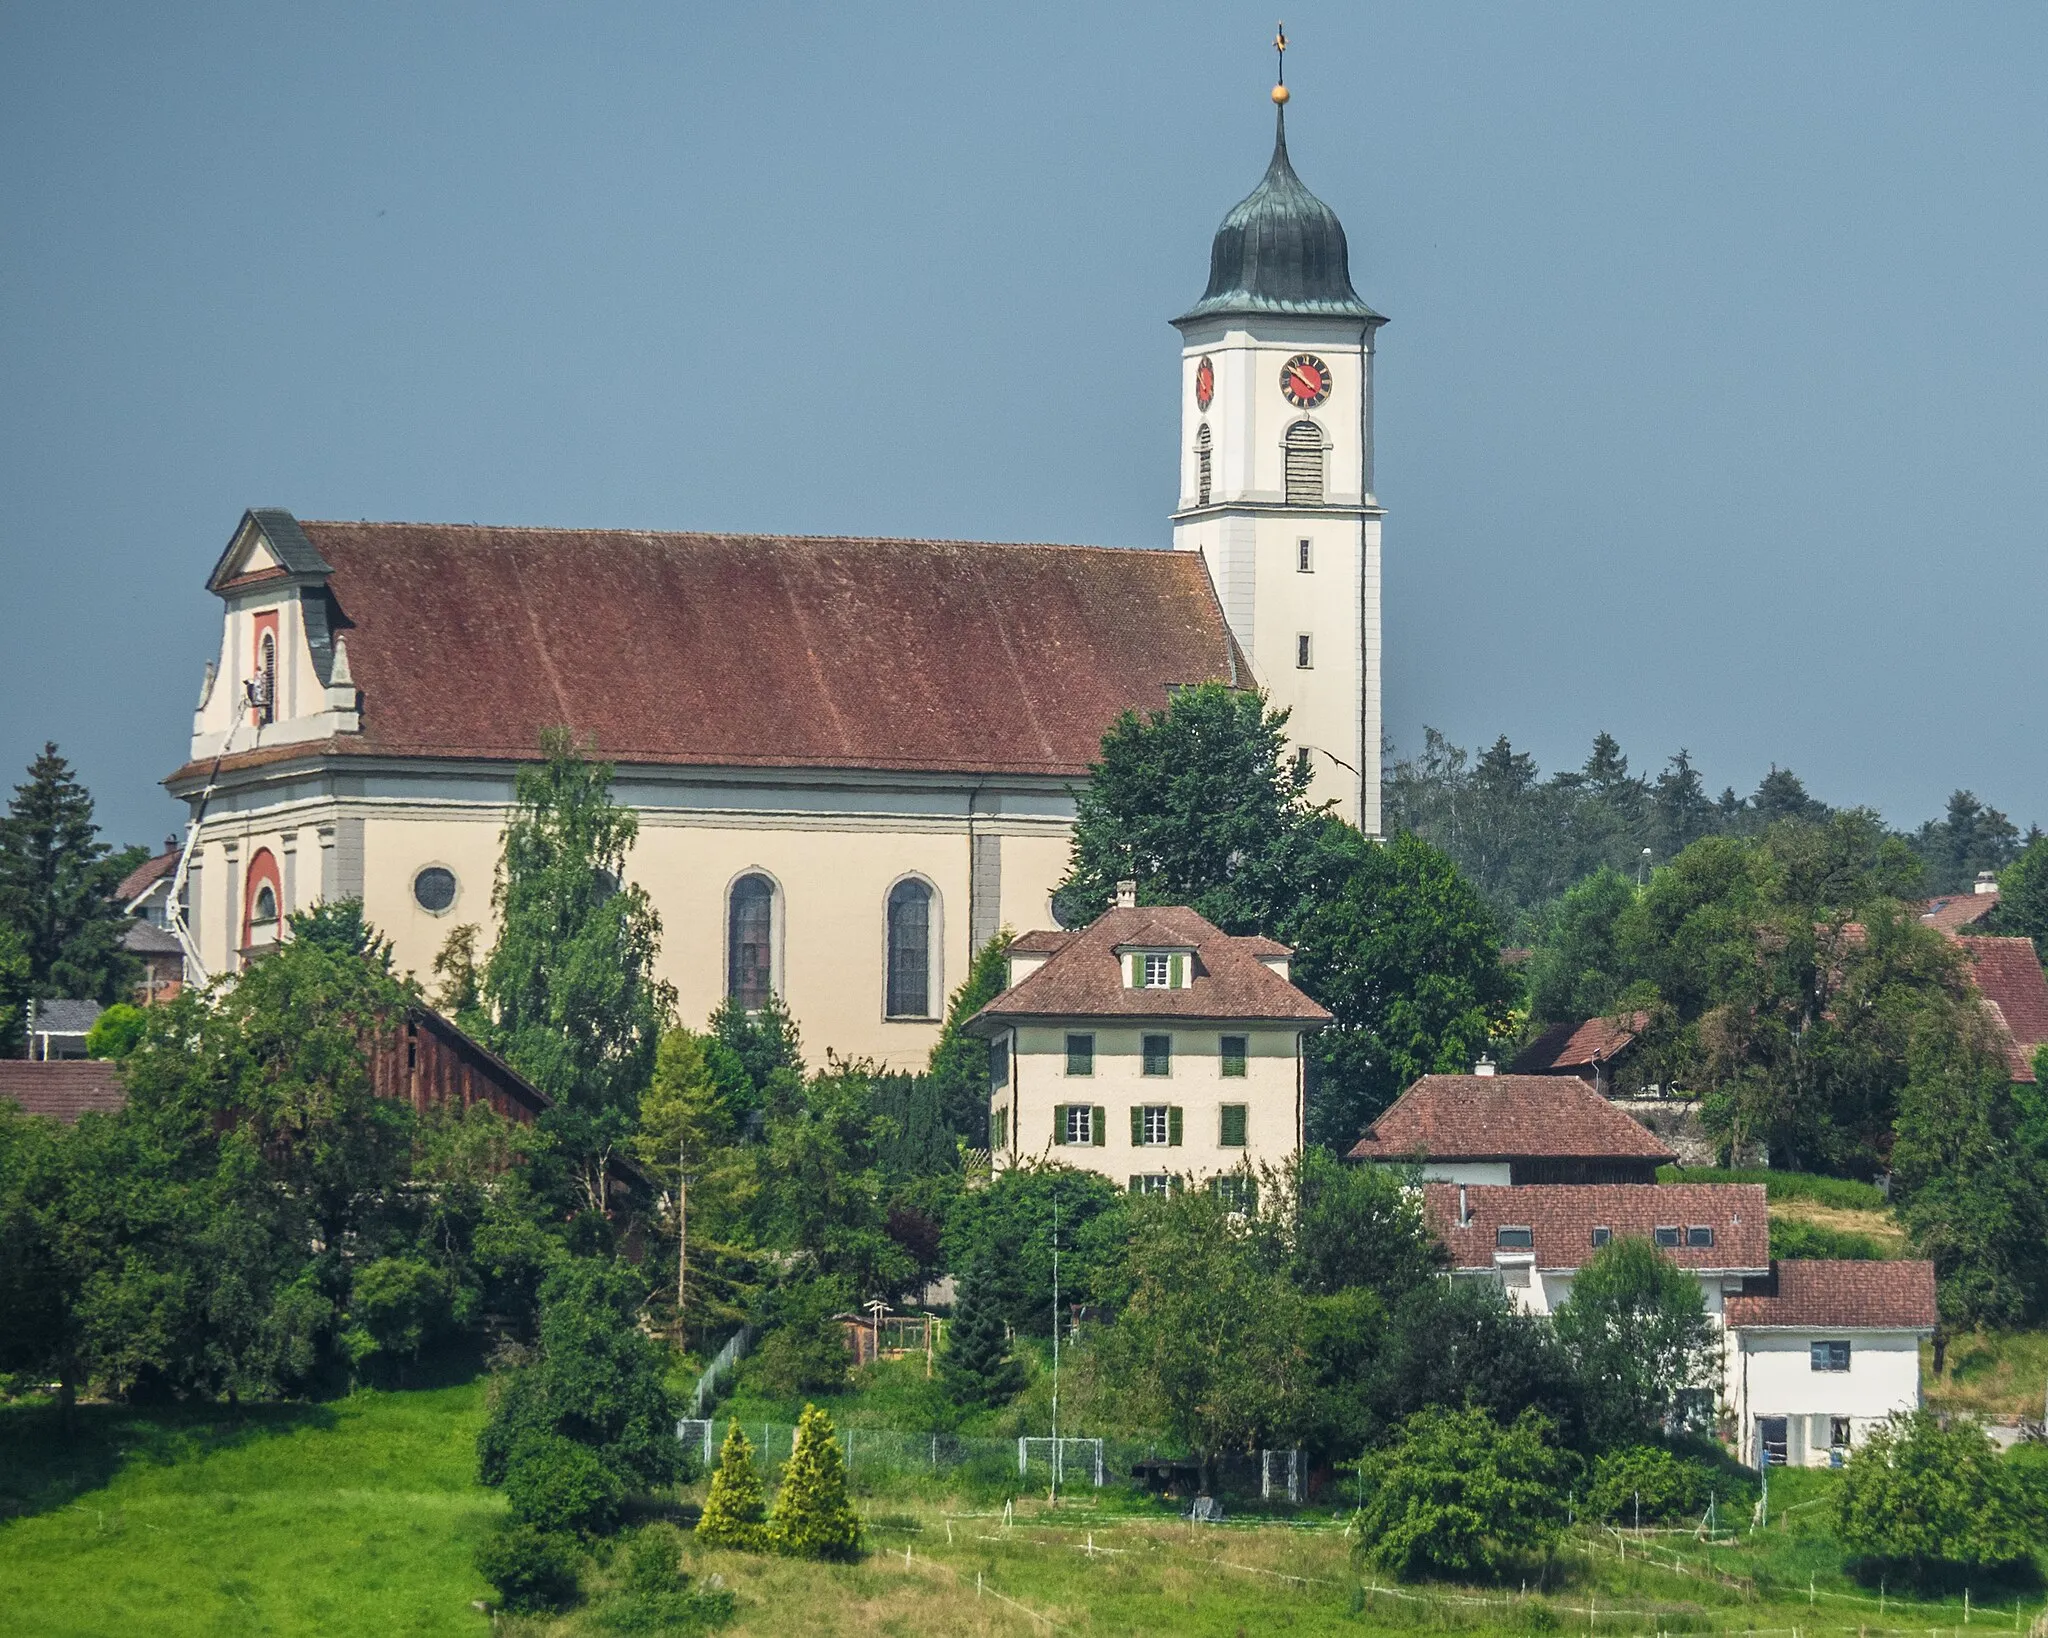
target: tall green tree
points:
(977, 1368)
(57, 881)
(1637, 1327)
(2023, 896)
(1927, 1501)
(570, 984)
(959, 1062)
(1576, 970)
(1967, 838)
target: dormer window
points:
(1156, 969)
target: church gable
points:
(756, 651)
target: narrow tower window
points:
(1304, 464)
(748, 959)
(266, 680)
(1304, 557)
(910, 947)
(1204, 451)
(1304, 656)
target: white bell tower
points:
(1276, 472)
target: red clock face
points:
(1305, 379)
(1205, 384)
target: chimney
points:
(1986, 882)
(1485, 1066)
(1127, 894)
(1464, 1209)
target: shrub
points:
(557, 1485)
(1457, 1494)
(1668, 1487)
(813, 1518)
(805, 1349)
(396, 1305)
(654, 1595)
(1919, 1502)
(531, 1569)
(116, 1032)
(734, 1513)
(1795, 1237)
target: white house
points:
(1534, 1239)
(1495, 1129)
(1821, 1352)
(1148, 1046)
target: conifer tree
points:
(813, 1518)
(977, 1367)
(734, 1513)
(57, 881)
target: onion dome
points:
(1281, 251)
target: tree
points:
(812, 1516)
(15, 989)
(1356, 1227)
(977, 1368)
(1576, 970)
(1637, 1327)
(1005, 1229)
(2023, 896)
(959, 1062)
(570, 982)
(116, 1032)
(1922, 1501)
(339, 926)
(57, 881)
(1453, 1343)
(1200, 804)
(1967, 838)
(735, 1515)
(1970, 1186)
(1407, 956)
(1459, 1495)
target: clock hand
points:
(1305, 384)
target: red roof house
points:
(1513, 1129)
(1586, 1050)
(62, 1089)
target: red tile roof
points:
(758, 650)
(1047, 941)
(62, 1090)
(1839, 1296)
(1957, 910)
(1562, 1217)
(146, 875)
(1506, 1117)
(1568, 1048)
(1084, 978)
(2014, 990)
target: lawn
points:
(1994, 1373)
(352, 1517)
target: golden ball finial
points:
(1280, 95)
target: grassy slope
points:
(355, 1517)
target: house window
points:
(1158, 971)
(1234, 1054)
(1304, 658)
(1234, 1120)
(1079, 1124)
(1148, 1125)
(1159, 1055)
(910, 949)
(1304, 464)
(1204, 450)
(1831, 1356)
(1080, 1055)
(433, 889)
(1514, 1238)
(1667, 1236)
(1237, 1191)
(1150, 1183)
(999, 1129)
(263, 916)
(1601, 1236)
(1700, 1234)
(1838, 1432)
(999, 1062)
(751, 917)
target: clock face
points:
(1305, 379)
(1205, 384)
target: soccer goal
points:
(694, 1430)
(1280, 1474)
(1063, 1460)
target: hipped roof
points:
(1506, 1117)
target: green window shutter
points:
(1233, 1125)
(1059, 1123)
(1137, 1125)
(1100, 1126)
(1177, 972)
(1173, 1126)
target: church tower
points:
(1276, 488)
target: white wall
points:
(1771, 1374)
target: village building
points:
(1149, 1046)
(1821, 1352)
(1587, 1051)
(58, 1028)
(1495, 1129)
(2014, 993)
(63, 1089)
(853, 761)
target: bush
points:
(116, 1032)
(559, 1486)
(1920, 1502)
(1668, 1487)
(805, 1352)
(531, 1569)
(654, 1594)
(1793, 1237)
(1458, 1495)
(735, 1514)
(813, 1518)
(1843, 1192)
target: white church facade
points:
(853, 761)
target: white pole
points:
(1055, 1344)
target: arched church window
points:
(263, 916)
(749, 958)
(266, 680)
(1304, 464)
(910, 949)
(1204, 452)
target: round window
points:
(434, 888)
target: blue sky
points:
(1713, 410)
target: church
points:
(853, 760)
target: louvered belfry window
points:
(1304, 464)
(266, 701)
(910, 947)
(748, 958)
(1204, 453)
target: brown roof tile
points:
(1957, 910)
(146, 875)
(1839, 1296)
(1506, 1117)
(1568, 1048)
(1084, 978)
(1045, 941)
(758, 650)
(1562, 1217)
(2007, 971)
(62, 1090)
